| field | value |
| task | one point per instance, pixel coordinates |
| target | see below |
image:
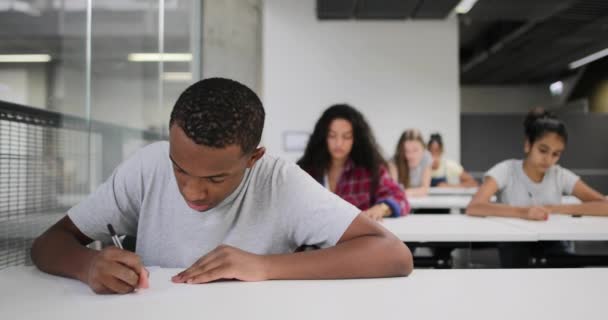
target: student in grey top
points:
(532, 188)
(412, 164)
(210, 201)
(515, 187)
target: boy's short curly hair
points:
(218, 112)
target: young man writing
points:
(212, 202)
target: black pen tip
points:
(111, 229)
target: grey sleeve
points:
(500, 173)
(315, 216)
(567, 180)
(116, 201)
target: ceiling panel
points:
(516, 9)
(336, 9)
(538, 50)
(385, 9)
(434, 9)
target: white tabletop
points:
(455, 228)
(563, 227)
(458, 201)
(463, 228)
(538, 294)
(452, 191)
(440, 202)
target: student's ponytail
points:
(435, 137)
(539, 122)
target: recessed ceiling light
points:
(465, 6)
(556, 88)
(590, 58)
(156, 57)
(177, 76)
(24, 58)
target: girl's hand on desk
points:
(537, 213)
(378, 212)
(113, 270)
(225, 262)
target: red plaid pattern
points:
(355, 183)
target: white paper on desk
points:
(159, 280)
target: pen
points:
(115, 239)
(532, 198)
(534, 203)
(142, 283)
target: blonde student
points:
(447, 173)
(532, 188)
(411, 164)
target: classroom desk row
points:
(456, 202)
(426, 294)
(463, 228)
(443, 233)
(434, 191)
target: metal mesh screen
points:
(43, 171)
(48, 163)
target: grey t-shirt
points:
(516, 189)
(276, 208)
(416, 172)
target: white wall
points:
(24, 84)
(232, 41)
(399, 74)
(505, 99)
(13, 85)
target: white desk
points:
(563, 227)
(458, 201)
(455, 228)
(426, 294)
(435, 191)
(440, 202)
(463, 228)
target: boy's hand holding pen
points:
(114, 270)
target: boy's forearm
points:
(61, 254)
(364, 257)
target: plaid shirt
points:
(355, 183)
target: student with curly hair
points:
(342, 155)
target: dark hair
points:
(403, 170)
(436, 137)
(364, 153)
(218, 112)
(539, 122)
